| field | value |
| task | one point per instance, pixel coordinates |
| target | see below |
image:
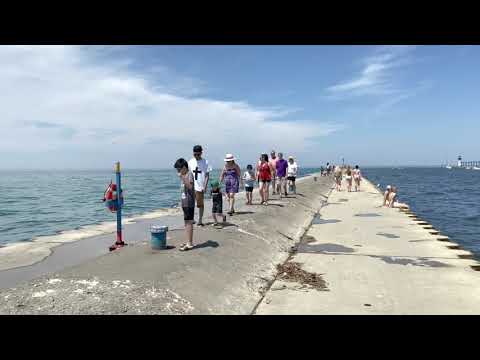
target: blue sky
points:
(87, 106)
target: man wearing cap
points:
(273, 163)
(201, 173)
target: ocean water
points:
(449, 199)
(44, 203)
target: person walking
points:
(187, 200)
(273, 164)
(348, 177)
(292, 174)
(249, 180)
(231, 177)
(265, 174)
(281, 170)
(337, 175)
(200, 169)
(357, 177)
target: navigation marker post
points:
(119, 243)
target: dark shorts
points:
(217, 207)
(291, 178)
(249, 188)
(188, 213)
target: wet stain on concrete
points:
(420, 240)
(324, 249)
(388, 235)
(344, 200)
(367, 215)
(424, 262)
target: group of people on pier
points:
(195, 175)
(349, 175)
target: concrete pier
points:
(369, 259)
(226, 273)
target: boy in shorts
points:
(187, 200)
(249, 180)
(217, 204)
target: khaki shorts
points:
(199, 195)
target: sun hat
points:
(229, 157)
(389, 187)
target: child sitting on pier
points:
(217, 204)
(392, 199)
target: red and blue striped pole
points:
(119, 243)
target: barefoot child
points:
(217, 205)
(187, 200)
(249, 180)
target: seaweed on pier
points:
(292, 272)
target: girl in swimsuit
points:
(231, 177)
(337, 174)
(265, 174)
(349, 179)
(357, 176)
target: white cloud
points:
(376, 76)
(58, 97)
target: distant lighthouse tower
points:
(459, 164)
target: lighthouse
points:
(459, 164)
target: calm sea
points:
(449, 199)
(41, 203)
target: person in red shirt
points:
(265, 175)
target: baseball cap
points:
(197, 148)
(214, 184)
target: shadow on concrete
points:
(367, 215)
(388, 235)
(324, 249)
(279, 205)
(415, 262)
(243, 212)
(209, 243)
(319, 221)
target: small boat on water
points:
(448, 167)
(476, 168)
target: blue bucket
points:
(158, 237)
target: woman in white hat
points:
(231, 177)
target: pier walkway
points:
(361, 258)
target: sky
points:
(85, 107)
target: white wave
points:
(17, 254)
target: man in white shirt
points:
(201, 173)
(292, 172)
